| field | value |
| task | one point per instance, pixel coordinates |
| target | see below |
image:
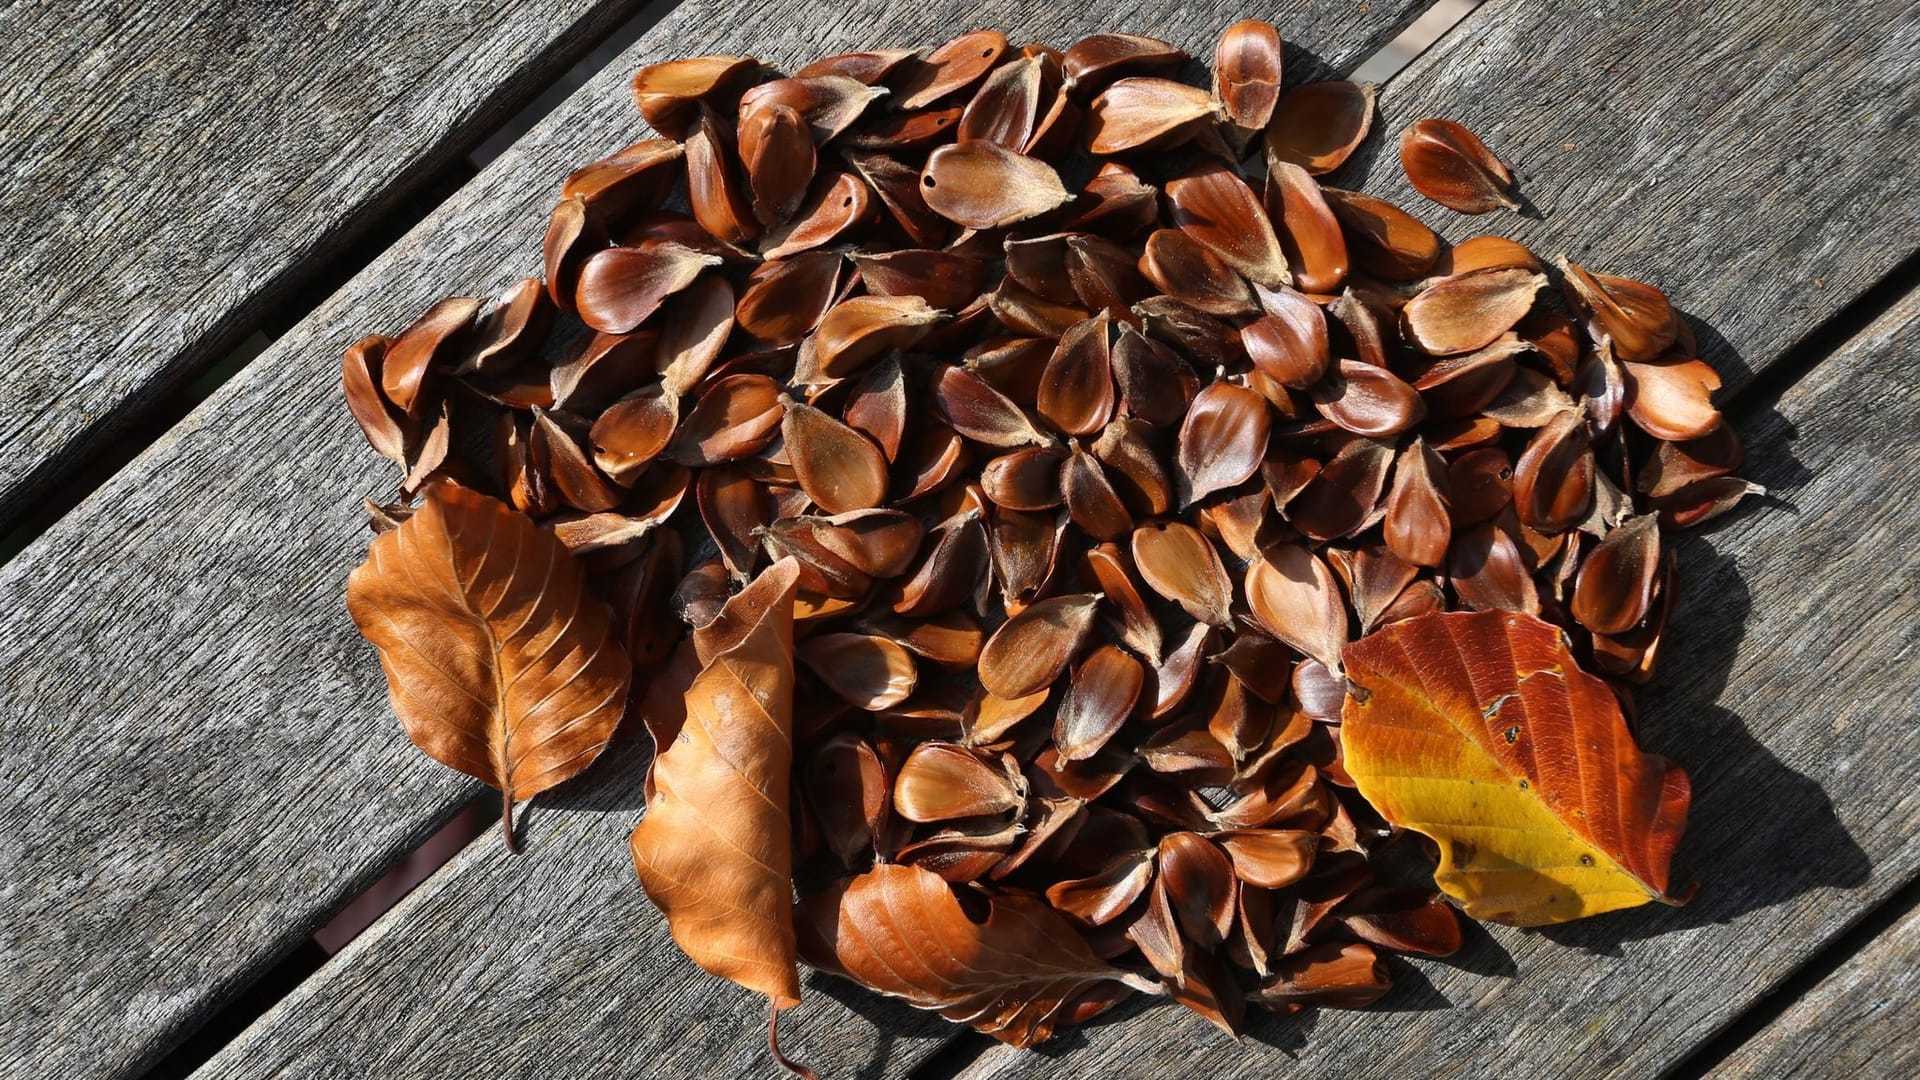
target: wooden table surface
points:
(200, 766)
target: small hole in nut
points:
(927, 180)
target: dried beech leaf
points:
(1015, 973)
(1486, 719)
(713, 850)
(502, 667)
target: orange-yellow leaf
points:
(1480, 730)
(714, 851)
(498, 662)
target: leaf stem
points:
(506, 821)
(773, 1044)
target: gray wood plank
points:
(1859, 1021)
(1786, 691)
(200, 760)
(1754, 158)
(175, 171)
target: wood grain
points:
(176, 172)
(1752, 158)
(201, 761)
(1786, 691)
(1858, 1021)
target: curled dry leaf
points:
(713, 851)
(1494, 704)
(501, 667)
(1014, 973)
(1450, 165)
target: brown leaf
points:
(1015, 972)
(713, 851)
(502, 667)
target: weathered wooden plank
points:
(1786, 690)
(1859, 1021)
(1754, 158)
(201, 760)
(174, 173)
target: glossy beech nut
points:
(954, 66)
(632, 432)
(1107, 567)
(620, 288)
(1310, 234)
(1104, 275)
(1418, 525)
(952, 564)
(1247, 65)
(1199, 882)
(1638, 318)
(734, 417)
(979, 412)
(839, 202)
(1115, 202)
(1459, 386)
(943, 781)
(830, 104)
(735, 509)
(899, 187)
(1215, 207)
(1382, 238)
(786, 298)
(1100, 696)
(573, 233)
(982, 185)
(1486, 253)
(1094, 61)
(777, 150)
(855, 332)
(1672, 399)
(1489, 572)
(1294, 597)
(1342, 498)
(839, 468)
(426, 344)
(693, 333)
(1222, 440)
(1138, 474)
(1076, 392)
(943, 279)
(1025, 479)
(869, 67)
(846, 786)
(715, 190)
(1479, 485)
(1092, 502)
(871, 673)
(670, 94)
(1615, 589)
(1288, 344)
(1102, 897)
(1011, 365)
(1156, 383)
(557, 455)
(1450, 165)
(360, 380)
(1553, 480)
(1674, 465)
(1368, 400)
(1146, 113)
(1336, 974)
(1318, 125)
(1182, 566)
(1006, 108)
(1179, 266)
(1025, 550)
(630, 181)
(1269, 858)
(1469, 311)
(1031, 649)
